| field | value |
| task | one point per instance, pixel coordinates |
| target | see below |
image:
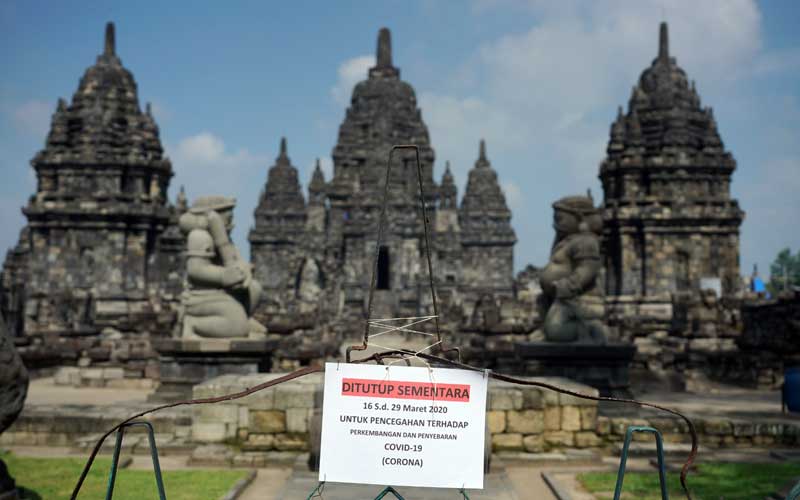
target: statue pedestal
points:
(604, 367)
(185, 363)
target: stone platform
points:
(184, 363)
(604, 367)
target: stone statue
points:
(571, 300)
(221, 292)
(13, 390)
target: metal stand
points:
(153, 454)
(317, 493)
(662, 473)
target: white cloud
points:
(546, 95)
(349, 73)
(205, 166)
(33, 117)
(514, 196)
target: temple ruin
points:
(318, 256)
(100, 249)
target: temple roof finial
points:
(663, 43)
(110, 48)
(482, 152)
(383, 55)
(283, 146)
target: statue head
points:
(573, 214)
(221, 204)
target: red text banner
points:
(395, 389)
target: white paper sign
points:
(403, 426)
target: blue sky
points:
(541, 81)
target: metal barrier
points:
(112, 476)
(662, 473)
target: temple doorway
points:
(383, 268)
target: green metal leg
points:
(112, 477)
(388, 490)
(662, 472)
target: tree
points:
(785, 267)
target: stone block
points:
(267, 421)
(259, 442)
(533, 443)
(291, 442)
(588, 418)
(113, 373)
(211, 455)
(216, 413)
(298, 396)
(297, 420)
(525, 421)
(570, 418)
(67, 375)
(717, 427)
(496, 420)
(559, 438)
(92, 373)
(587, 439)
(505, 399)
(206, 432)
(744, 429)
(567, 400)
(507, 442)
(532, 399)
(552, 418)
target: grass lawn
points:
(711, 481)
(54, 479)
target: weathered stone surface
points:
(267, 421)
(210, 432)
(259, 442)
(559, 438)
(297, 420)
(291, 442)
(505, 399)
(533, 443)
(588, 418)
(507, 442)
(496, 420)
(587, 439)
(525, 421)
(570, 418)
(552, 418)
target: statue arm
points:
(203, 272)
(227, 250)
(585, 256)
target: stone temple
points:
(317, 257)
(670, 224)
(100, 248)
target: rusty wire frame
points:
(402, 354)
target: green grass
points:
(711, 481)
(54, 479)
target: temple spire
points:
(663, 43)
(110, 45)
(283, 153)
(482, 152)
(383, 55)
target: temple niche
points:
(315, 257)
(101, 250)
